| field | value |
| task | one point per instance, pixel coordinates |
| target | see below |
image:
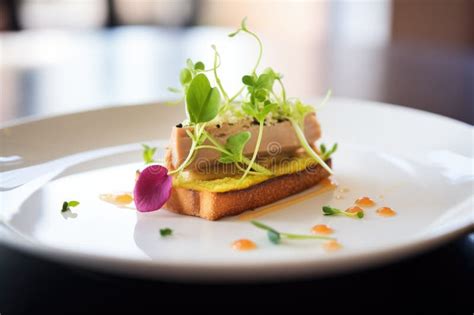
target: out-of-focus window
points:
(62, 13)
(360, 23)
(162, 12)
(284, 18)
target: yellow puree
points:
(289, 166)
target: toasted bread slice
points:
(216, 205)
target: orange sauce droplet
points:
(365, 202)
(328, 182)
(244, 245)
(331, 246)
(321, 229)
(117, 199)
(354, 209)
(386, 212)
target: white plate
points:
(419, 164)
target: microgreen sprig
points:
(204, 103)
(166, 232)
(296, 115)
(275, 236)
(148, 153)
(67, 205)
(232, 151)
(327, 210)
(325, 153)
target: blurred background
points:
(59, 56)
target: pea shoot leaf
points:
(235, 145)
(202, 101)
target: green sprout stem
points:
(260, 49)
(283, 90)
(218, 80)
(327, 210)
(237, 94)
(326, 98)
(307, 147)
(198, 133)
(251, 163)
(292, 236)
(257, 63)
(255, 151)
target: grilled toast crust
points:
(213, 206)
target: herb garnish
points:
(261, 103)
(166, 232)
(148, 153)
(67, 205)
(326, 154)
(275, 236)
(327, 210)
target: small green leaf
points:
(248, 80)
(234, 33)
(65, 207)
(202, 101)
(148, 153)
(174, 90)
(249, 109)
(243, 24)
(322, 148)
(325, 154)
(265, 81)
(185, 76)
(226, 159)
(166, 232)
(261, 95)
(274, 237)
(327, 210)
(199, 66)
(73, 203)
(235, 144)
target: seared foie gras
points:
(277, 138)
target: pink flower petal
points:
(152, 189)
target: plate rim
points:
(155, 269)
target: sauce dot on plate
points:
(386, 212)
(321, 229)
(117, 199)
(331, 246)
(244, 245)
(354, 209)
(365, 202)
(328, 183)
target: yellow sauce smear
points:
(325, 186)
(321, 229)
(117, 199)
(386, 212)
(365, 202)
(244, 245)
(331, 246)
